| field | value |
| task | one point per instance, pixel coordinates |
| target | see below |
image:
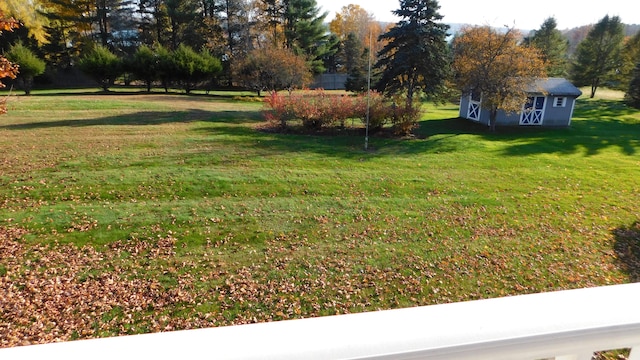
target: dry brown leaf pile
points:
(53, 294)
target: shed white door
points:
(533, 111)
(473, 111)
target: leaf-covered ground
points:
(144, 213)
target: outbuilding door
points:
(533, 111)
(473, 111)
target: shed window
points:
(560, 101)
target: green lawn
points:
(131, 213)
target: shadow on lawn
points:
(627, 248)
(346, 146)
(589, 137)
(597, 125)
(147, 118)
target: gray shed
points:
(554, 109)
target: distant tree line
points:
(267, 45)
(61, 32)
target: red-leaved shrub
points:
(279, 109)
(317, 109)
(405, 118)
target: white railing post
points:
(584, 355)
(528, 327)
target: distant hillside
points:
(631, 30)
(578, 34)
(574, 35)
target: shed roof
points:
(555, 87)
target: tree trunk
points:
(409, 96)
(594, 87)
(493, 114)
(28, 85)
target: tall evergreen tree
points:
(58, 51)
(598, 56)
(358, 75)
(553, 47)
(234, 23)
(632, 97)
(111, 17)
(123, 27)
(331, 58)
(305, 32)
(351, 53)
(233, 14)
(272, 18)
(186, 23)
(153, 22)
(415, 58)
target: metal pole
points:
(366, 131)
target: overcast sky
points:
(522, 14)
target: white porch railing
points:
(563, 325)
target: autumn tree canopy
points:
(28, 13)
(273, 69)
(7, 68)
(494, 64)
(353, 19)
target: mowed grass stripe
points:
(262, 226)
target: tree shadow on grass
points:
(147, 118)
(589, 137)
(196, 95)
(608, 109)
(346, 146)
(236, 124)
(597, 125)
(627, 248)
(451, 126)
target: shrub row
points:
(317, 109)
(183, 66)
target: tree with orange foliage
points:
(495, 64)
(7, 69)
(354, 19)
(274, 69)
(30, 15)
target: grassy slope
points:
(266, 226)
